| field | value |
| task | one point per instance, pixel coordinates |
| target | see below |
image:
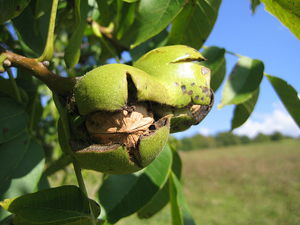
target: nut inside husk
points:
(121, 133)
(123, 127)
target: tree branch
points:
(58, 84)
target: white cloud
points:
(204, 131)
(277, 120)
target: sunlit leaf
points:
(287, 11)
(288, 95)
(244, 110)
(244, 79)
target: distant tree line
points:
(225, 139)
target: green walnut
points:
(122, 115)
(123, 134)
(187, 83)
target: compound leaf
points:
(288, 95)
(244, 79)
(243, 111)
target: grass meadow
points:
(257, 184)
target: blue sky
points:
(263, 37)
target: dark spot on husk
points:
(202, 98)
(197, 97)
(176, 84)
(183, 88)
(193, 84)
(204, 89)
(190, 92)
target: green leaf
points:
(13, 119)
(287, 11)
(161, 198)
(11, 9)
(26, 81)
(254, 4)
(61, 205)
(21, 166)
(130, 1)
(179, 208)
(154, 42)
(32, 31)
(7, 90)
(244, 79)
(151, 18)
(72, 52)
(288, 95)
(126, 16)
(217, 63)
(122, 195)
(194, 23)
(108, 11)
(243, 111)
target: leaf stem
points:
(82, 187)
(233, 53)
(14, 85)
(58, 84)
(228, 52)
(49, 48)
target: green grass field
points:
(257, 184)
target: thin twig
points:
(82, 187)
